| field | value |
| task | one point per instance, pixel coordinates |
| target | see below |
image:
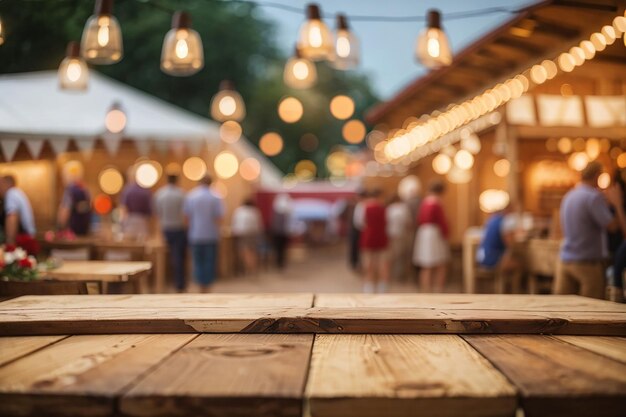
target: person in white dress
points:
(247, 226)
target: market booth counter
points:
(312, 355)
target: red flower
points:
(9, 247)
(25, 263)
(26, 242)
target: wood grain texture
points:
(276, 314)
(613, 347)
(556, 378)
(12, 348)
(227, 375)
(491, 302)
(81, 375)
(404, 375)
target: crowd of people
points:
(382, 236)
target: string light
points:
(226, 164)
(354, 131)
(250, 169)
(433, 48)
(230, 131)
(101, 43)
(346, 46)
(227, 104)
(271, 144)
(315, 41)
(290, 110)
(502, 167)
(194, 168)
(442, 164)
(342, 107)
(73, 71)
(182, 53)
(299, 72)
(419, 140)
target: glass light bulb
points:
(227, 106)
(182, 50)
(74, 70)
(343, 46)
(300, 70)
(101, 43)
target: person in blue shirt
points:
(204, 211)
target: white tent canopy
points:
(33, 108)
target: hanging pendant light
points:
(1, 33)
(299, 72)
(227, 104)
(115, 119)
(346, 54)
(182, 53)
(73, 71)
(102, 37)
(315, 41)
(433, 48)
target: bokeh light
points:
(502, 167)
(342, 107)
(194, 168)
(115, 120)
(463, 159)
(250, 169)
(111, 181)
(147, 174)
(173, 168)
(564, 145)
(493, 200)
(230, 131)
(604, 180)
(305, 170)
(226, 164)
(621, 160)
(271, 144)
(442, 164)
(353, 131)
(593, 148)
(290, 110)
(102, 204)
(578, 161)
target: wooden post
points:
(508, 135)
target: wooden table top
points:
(99, 270)
(322, 313)
(372, 371)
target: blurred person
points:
(247, 226)
(136, 209)
(204, 211)
(374, 243)
(75, 209)
(617, 248)
(168, 207)
(585, 218)
(354, 210)
(19, 221)
(279, 227)
(496, 249)
(431, 251)
(399, 226)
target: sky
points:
(387, 48)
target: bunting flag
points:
(178, 149)
(34, 147)
(143, 147)
(162, 146)
(59, 145)
(9, 147)
(85, 146)
(195, 147)
(111, 143)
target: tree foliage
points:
(239, 44)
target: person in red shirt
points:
(431, 251)
(374, 243)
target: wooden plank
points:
(412, 315)
(408, 375)
(12, 348)
(226, 375)
(81, 375)
(505, 302)
(557, 378)
(613, 347)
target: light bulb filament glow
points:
(182, 49)
(74, 71)
(227, 106)
(315, 37)
(433, 47)
(103, 35)
(343, 47)
(300, 70)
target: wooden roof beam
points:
(519, 45)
